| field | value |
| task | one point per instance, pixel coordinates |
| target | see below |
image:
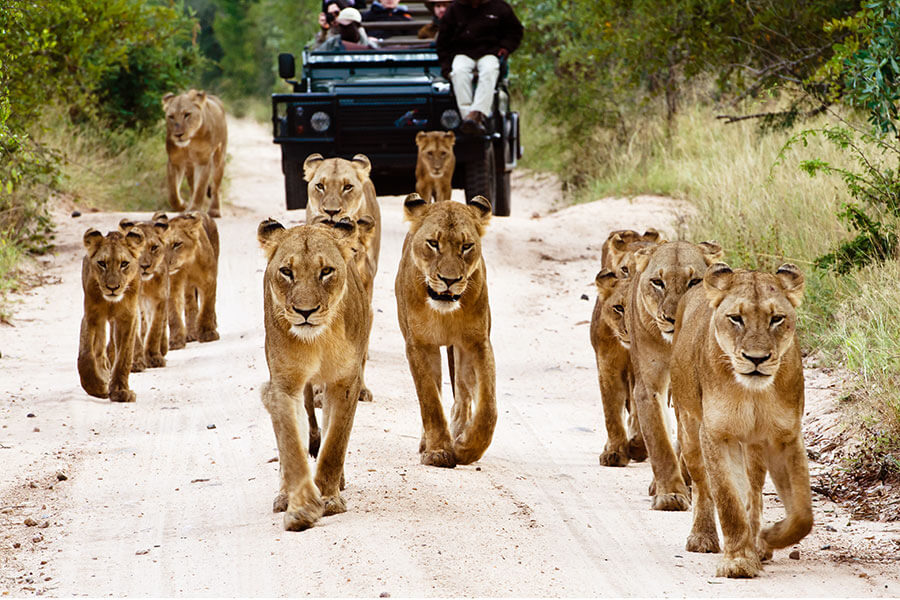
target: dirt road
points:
(172, 495)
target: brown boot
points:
(473, 124)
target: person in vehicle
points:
(437, 8)
(386, 10)
(347, 33)
(330, 10)
(474, 36)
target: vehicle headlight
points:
(320, 121)
(449, 119)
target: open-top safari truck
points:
(374, 102)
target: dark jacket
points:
(379, 13)
(477, 32)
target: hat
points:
(349, 15)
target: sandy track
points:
(159, 503)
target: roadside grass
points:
(764, 211)
(10, 255)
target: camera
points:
(330, 17)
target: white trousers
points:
(461, 75)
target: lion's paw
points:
(365, 395)
(177, 343)
(738, 567)
(637, 450)
(208, 335)
(122, 396)
(138, 365)
(215, 213)
(304, 515)
(156, 361)
(280, 503)
(702, 542)
(439, 458)
(764, 551)
(613, 458)
(673, 501)
(191, 337)
(334, 505)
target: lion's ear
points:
(167, 99)
(198, 96)
(717, 281)
(269, 233)
(92, 239)
(792, 282)
(712, 252)
(449, 135)
(642, 257)
(618, 242)
(160, 216)
(606, 282)
(362, 162)
(482, 208)
(125, 225)
(311, 165)
(420, 138)
(651, 235)
(413, 206)
(134, 239)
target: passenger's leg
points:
(488, 71)
(461, 75)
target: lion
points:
(152, 342)
(193, 262)
(317, 319)
(621, 244)
(663, 273)
(737, 384)
(196, 137)
(110, 277)
(435, 164)
(442, 300)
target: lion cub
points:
(110, 277)
(737, 384)
(442, 300)
(435, 164)
(317, 321)
(196, 137)
(193, 262)
(152, 342)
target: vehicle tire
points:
(481, 176)
(502, 200)
(294, 187)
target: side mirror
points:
(286, 67)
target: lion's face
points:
(667, 271)
(183, 240)
(113, 260)
(306, 275)
(336, 186)
(621, 245)
(153, 256)
(356, 234)
(445, 243)
(754, 318)
(613, 311)
(184, 115)
(436, 151)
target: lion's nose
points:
(756, 360)
(305, 313)
(112, 288)
(331, 211)
(448, 282)
(145, 267)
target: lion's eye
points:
(154, 248)
(619, 309)
(736, 319)
(124, 264)
(101, 264)
(776, 320)
(433, 244)
(326, 272)
(694, 282)
(320, 186)
(468, 246)
(348, 187)
(657, 282)
(286, 272)
(176, 245)
(624, 270)
(186, 115)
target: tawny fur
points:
(737, 385)
(110, 278)
(662, 275)
(435, 164)
(341, 191)
(196, 140)
(442, 300)
(317, 322)
(193, 262)
(152, 341)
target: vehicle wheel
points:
(501, 202)
(294, 187)
(481, 176)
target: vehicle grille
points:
(395, 141)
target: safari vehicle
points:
(374, 102)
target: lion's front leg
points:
(477, 360)
(790, 472)
(155, 346)
(191, 311)
(298, 497)
(177, 329)
(207, 327)
(444, 191)
(725, 465)
(338, 411)
(425, 367)
(174, 176)
(425, 187)
(92, 369)
(124, 331)
(612, 377)
(215, 184)
(200, 186)
(756, 475)
(703, 536)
